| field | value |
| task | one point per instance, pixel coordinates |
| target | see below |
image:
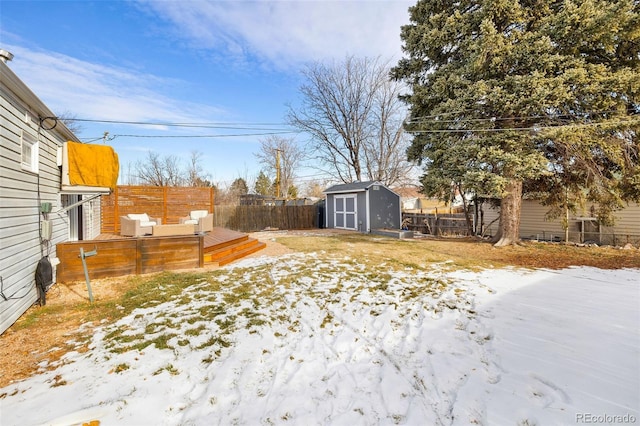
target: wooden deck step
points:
(236, 250)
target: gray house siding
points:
(376, 206)
(21, 193)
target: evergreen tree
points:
(534, 95)
(292, 192)
(263, 184)
(237, 189)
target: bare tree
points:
(283, 153)
(175, 176)
(351, 111)
(158, 171)
(71, 121)
(385, 157)
(195, 175)
(315, 189)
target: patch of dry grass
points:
(44, 334)
(465, 252)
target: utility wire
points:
(201, 136)
(112, 137)
(212, 125)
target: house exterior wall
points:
(533, 225)
(91, 220)
(488, 219)
(627, 220)
(626, 227)
(21, 194)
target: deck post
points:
(138, 256)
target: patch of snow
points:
(344, 347)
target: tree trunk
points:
(467, 215)
(510, 207)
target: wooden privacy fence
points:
(256, 218)
(167, 203)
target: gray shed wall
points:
(384, 208)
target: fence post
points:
(165, 201)
(211, 199)
(116, 215)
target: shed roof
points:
(351, 187)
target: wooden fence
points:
(256, 218)
(171, 203)
(167, 203)
(436, 224)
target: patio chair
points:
(136, 225)
(202, 219)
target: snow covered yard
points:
(304, 340)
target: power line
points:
(200, 136)
(212, 125)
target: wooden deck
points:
(223, 246)
(117, 255)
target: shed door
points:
(345, 212)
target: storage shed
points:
(362, 206)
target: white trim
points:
(29, 152)
(344, 212)
(367, 213)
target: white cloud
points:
(99, 91)
(285, 33)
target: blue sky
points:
(216, 62)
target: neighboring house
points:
(41, 201)
(362, 206)
(583, 226)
